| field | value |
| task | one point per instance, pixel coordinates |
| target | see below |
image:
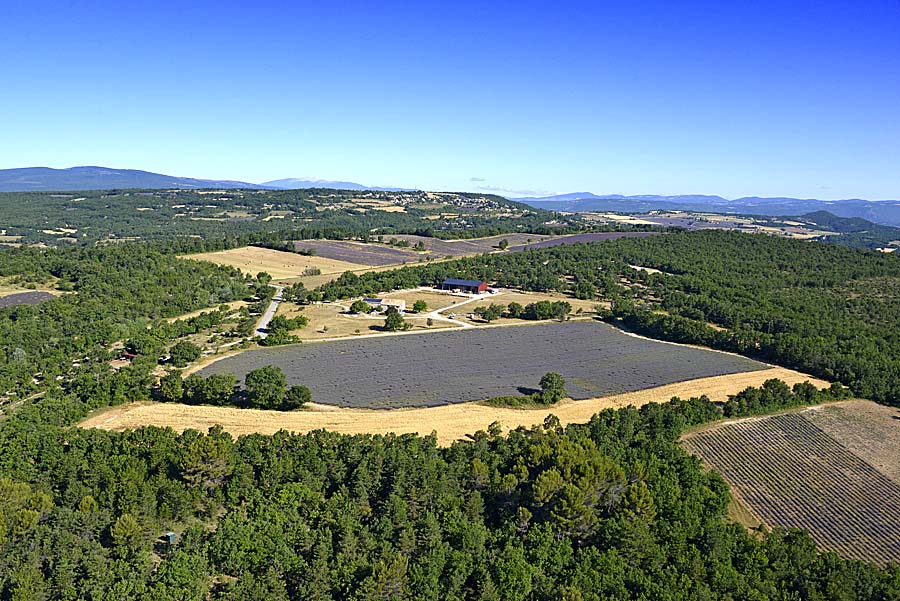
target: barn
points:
(473, 286)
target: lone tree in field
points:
(420, 306)
(553, 388)
(266, 387)
(394, 322)
(360, 306)
(504, 244)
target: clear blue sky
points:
(733, 98)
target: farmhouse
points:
(473, 286)
(383, 304)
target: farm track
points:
(791, 473)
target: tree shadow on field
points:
(525, 390)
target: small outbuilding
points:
(383, 304)
(472, 286)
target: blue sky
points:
(732, 98)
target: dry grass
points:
(7, 289)
(233, 305)
(330, 320)
(869, 430)
(450, 422)
(279, 264)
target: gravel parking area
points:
(425, 370)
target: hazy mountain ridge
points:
(885, 212)
(302, 183)
(46, 179)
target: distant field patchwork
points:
(791, 472)
(375, 253)
(439, 368)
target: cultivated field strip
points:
(25, 298)
(792, 474)
(357, 252)
(439, 368)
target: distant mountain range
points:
(45, 179)
(885, 212)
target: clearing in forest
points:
(829, 469)
(456, 366)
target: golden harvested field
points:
(450, 422)
(279, 264)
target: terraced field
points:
(431, 369)
(792, 473)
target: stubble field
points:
(448, 422)
(279, 264)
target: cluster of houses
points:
(383, 304)
(450, 284)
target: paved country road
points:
(261, 327)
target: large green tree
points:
(265, 387)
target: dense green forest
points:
(612, 509)
(110, 294)
(824, 309)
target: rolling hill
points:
(44, 179)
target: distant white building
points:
(382, 304)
